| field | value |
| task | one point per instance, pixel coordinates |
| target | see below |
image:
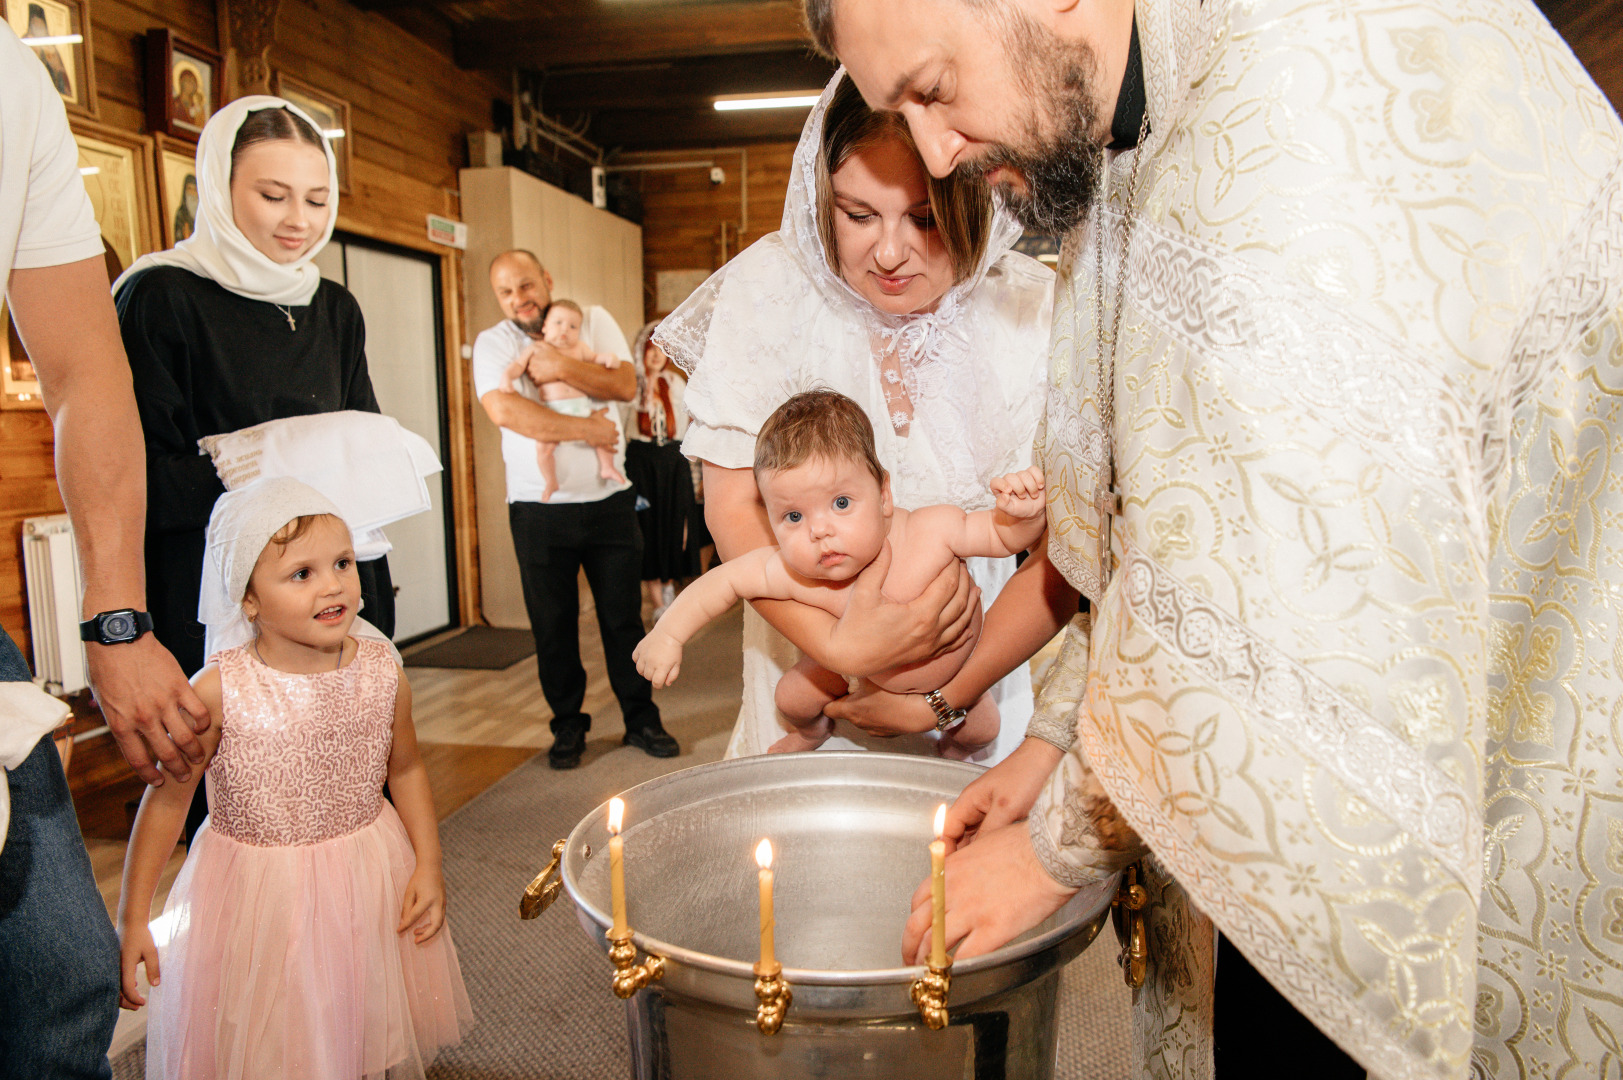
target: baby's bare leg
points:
(605, 465)
(979, 728)
(802, 693)
(546, 461)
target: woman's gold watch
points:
(945, 715)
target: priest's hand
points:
(1003, 794)
(151, 709)
(877, 633)
(881, 713)
(996, 891)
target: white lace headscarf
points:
(242, 523)
(780, 304)
(217, 249)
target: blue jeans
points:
(58, 951)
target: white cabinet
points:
(594, 258)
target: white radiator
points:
(51, 565)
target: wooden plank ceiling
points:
(639, 74)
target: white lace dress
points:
(776, 321)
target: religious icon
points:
(58, 32)
(331, 115)
(177, 189)
(116, 167)
(182, 89)
(19, 383)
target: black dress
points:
(656, 468)
(207, 361)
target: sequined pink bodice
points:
(302, 758)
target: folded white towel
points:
(367, 464)
(27, 715)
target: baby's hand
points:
(135, 948)
(423, 904)
(1021, 494)
(658, 657)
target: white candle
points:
(938, 891)
(617, 873)
(763, 859)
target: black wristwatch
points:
(115, 627)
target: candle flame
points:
(617, 813)
(763, 854)
(940, 820)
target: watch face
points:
(119, 626)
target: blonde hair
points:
(960, 203)
(816, 424)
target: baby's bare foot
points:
(809, 737)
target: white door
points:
(398, 294)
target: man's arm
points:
(533, 420)
(617, 383)
(65, 317)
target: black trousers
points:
(1258, 1033)
(554, 543)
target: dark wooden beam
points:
(631, 34)
(648, 129)
(683, 83)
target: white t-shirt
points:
(45, 216)
(576, 462)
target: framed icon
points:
(58, 32)
(182, 85)
(117, 168)
(330, 113)
(176, 162)
(19, 383)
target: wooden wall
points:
(410, 110)
(1594, 29)
(684, 214)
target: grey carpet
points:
(488, 647)
(540, 989)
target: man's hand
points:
(1003, 794)
(1021, 495)
(602, 432)
(150, 707)
(543, 363)
(876, 633)
(881, 713)
(996, 891)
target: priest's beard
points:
(1061, 167)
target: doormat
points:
(488, 647)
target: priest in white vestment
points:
(1330, 452)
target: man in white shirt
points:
(58, 953)
(589, 523)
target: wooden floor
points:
(474, 727)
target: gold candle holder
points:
(774, 995)
(630, 976)
(929, 993)
(541, 892)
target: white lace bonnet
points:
(242, 523)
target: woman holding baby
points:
(901, 292)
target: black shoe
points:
(653, 740)
(567, 746)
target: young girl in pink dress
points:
(306, 931)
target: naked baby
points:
(829, 505)
(560, 328)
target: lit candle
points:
(617, 872)
(763, 859)
(938, 891)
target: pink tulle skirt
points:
(284, 962)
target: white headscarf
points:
(242, 523)
(779, 304)
(217, 249)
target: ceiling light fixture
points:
(59, 39)
(89, 170)
(781, 100)
(334, 133)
